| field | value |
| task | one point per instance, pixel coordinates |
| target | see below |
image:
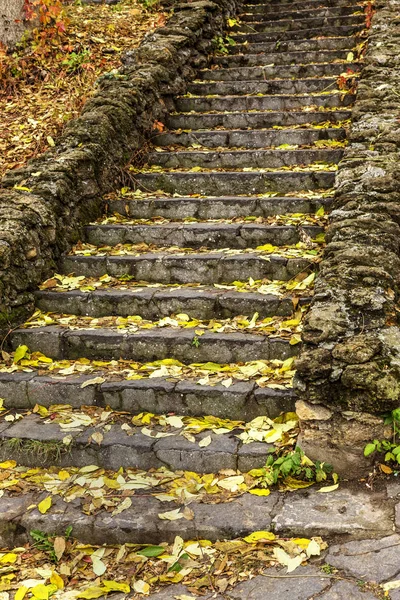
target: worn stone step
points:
(222, 183)
(273, 159)
(281, 46)
(367, 515)
(153, 344)
(254, 120)
(276, 71)
(300, 34)
(152, 303)
(197, 235)
(204, 268)
(271, 87)
(120, 449)
(262, 12)
(215, 207)
(243, 138)
(260, 103)
(300, 24)
(282, 58)
(298, 5)
(241, 401)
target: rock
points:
(340, 512)
(369, 560)
(312, 412)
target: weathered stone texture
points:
(351, 353)
(43, 204)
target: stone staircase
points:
(235, 188)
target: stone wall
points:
(351, 357)
(43, 204)
(12, 22)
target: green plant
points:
(150, 4)
(391, 448)
(196, 341)
(293, 464)
(222, 44)
(76, 60)
(45, 541)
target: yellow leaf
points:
(329, 488)
(256, 536)
(301, 542)
(43, 592)
(260, 492)
(63, 475)
(8, 464)
(10, 557)
(113, 586)
(44, 505)
(21, 592)
(20, 353)
(350, 57)
(57, 580)
(50, 141)
(141, 587)
(297, 484)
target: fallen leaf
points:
(44, 505)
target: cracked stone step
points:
(264, 11)
(273, 159)
(267, 72)
(215, 207)
(242, 401)
(300, 34)
(148, 345)
(152, 303)
(369, 512)
(260, 5)
(135, 450)
(138, 524)
(254, 120)
(268, 87)
(281, 58)
(217, 183)
(281, 46)
(261, 103)
(197, 235)
(242, 138)
(204, 268)
(303, 23)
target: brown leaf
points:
(59, 547)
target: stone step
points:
(119, 449)
(241, 401)
(242, 138)
(260, 5)
(277, 72)
(197, 235)
(281, 46)
(222, 183)
(270, 87)
(273, 159)
(206, 268)
(153, 344)
(300, 34)
(154, 303)
(215, 207)
(260, 103)
(303, 514)
(282, 58)
(254, 120)
(267, 12)
(268, 72)
(301, 24)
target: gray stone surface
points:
(347, 590)
(303, 584)
(344, 511)
(369, 560)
